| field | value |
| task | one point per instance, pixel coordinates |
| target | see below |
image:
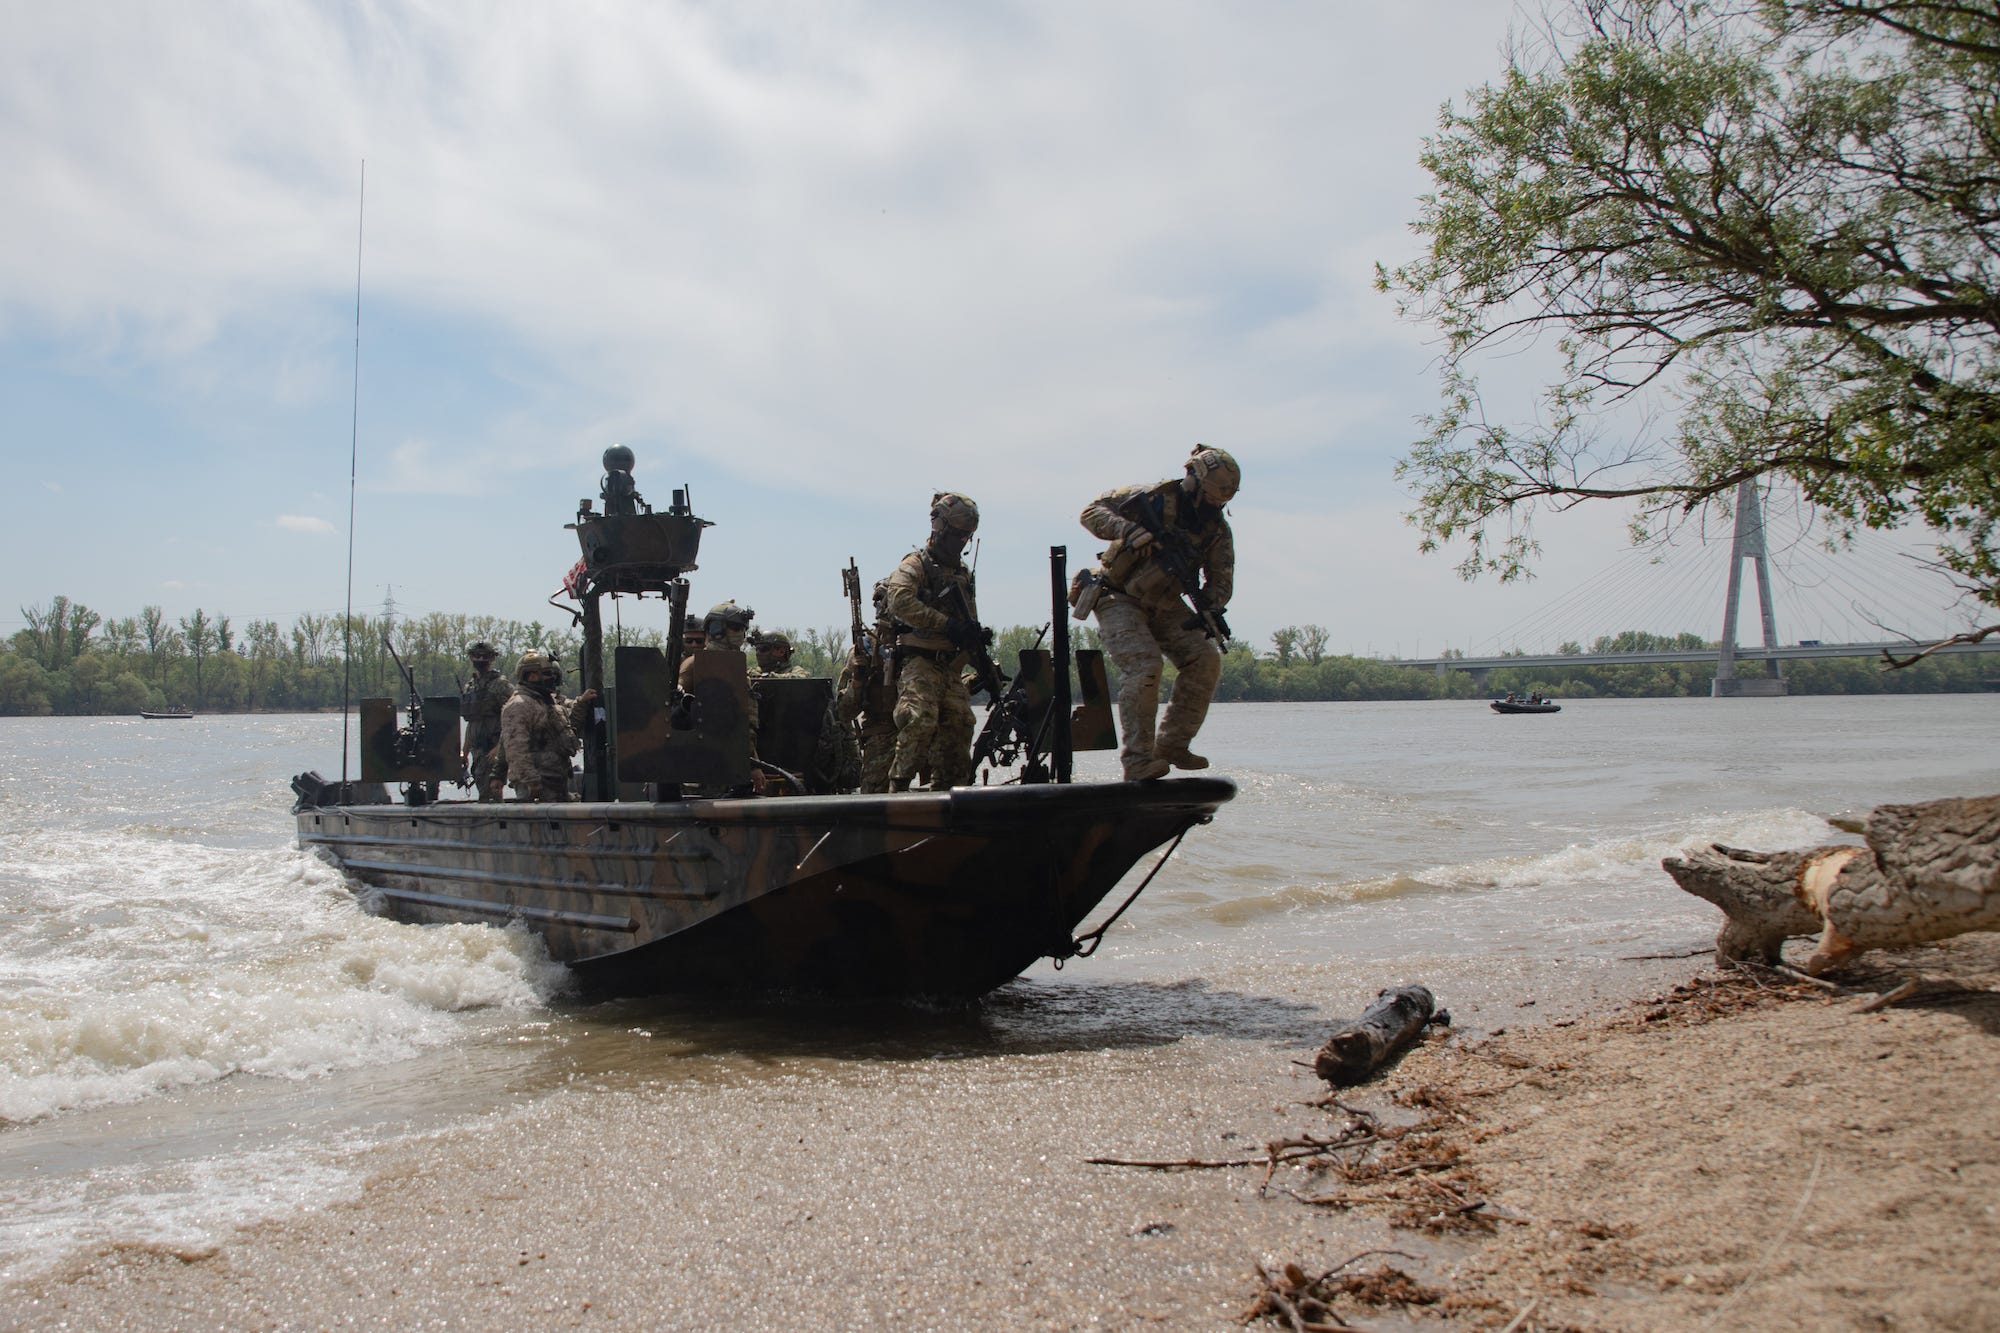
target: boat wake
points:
(1594, 893)
(140, 964)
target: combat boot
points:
(1180, 756)
(1145, 770)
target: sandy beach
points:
(1745, 1151)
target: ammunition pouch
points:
(1084, 589)
(1118, 562)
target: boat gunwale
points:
(931, 811)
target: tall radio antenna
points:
(353, 457)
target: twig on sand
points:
(1179, 1164)
(1284, 1150)
(1288, 1310)
(1301, 1302)
(1365, 1254)
(1809, 979)
(1643, 957)
(1338, 1200)
(1522, 1317)
(1887, 998)
(1805, 1198)
(1274, 1299)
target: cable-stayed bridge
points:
(1872, 598)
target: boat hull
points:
(946, 893)
(1502, 706)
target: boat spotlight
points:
(621, 495)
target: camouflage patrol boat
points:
(645, 887)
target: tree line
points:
(72, 660)
(1298, 670)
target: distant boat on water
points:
(1533, 703)
(158, 716)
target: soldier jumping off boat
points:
(1168, 540)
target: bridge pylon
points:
(1747, 544)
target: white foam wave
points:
(1591, 893)
(185, 1209)
(142, 967)
(1641, 850)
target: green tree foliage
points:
(198, 633)
(58, 633)
(1767, 224)
(275, 668)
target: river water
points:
(199, 1029)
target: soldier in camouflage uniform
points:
(538, 730)
(836, 757)
(866, 698)
(774, 656)
(931, 601)
(480, 703)
(726, 629)
(1140, 612)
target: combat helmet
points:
(775, 640)
(1215, 474)
(482, 650)
(533, 664)
(951, 510)
(726, 616)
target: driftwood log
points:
(1928, 871)
(1358, 1049)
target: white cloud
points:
(1084, 228)
(843, 252)
(318, 527)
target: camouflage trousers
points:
(489, 775)
(933, 725)
(878, 752)
(1135, 635)
(545, 777)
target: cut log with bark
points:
(1927, 871)
(1360, 1048)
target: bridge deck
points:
(1744, 653)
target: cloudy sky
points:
(813, 260)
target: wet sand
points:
(1658, 1158)
(812, 1190)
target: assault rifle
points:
(986, 673)
(851, 583)
(875, 651)
(1177, 555)
(1005, 737)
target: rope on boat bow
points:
(1083, 946)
